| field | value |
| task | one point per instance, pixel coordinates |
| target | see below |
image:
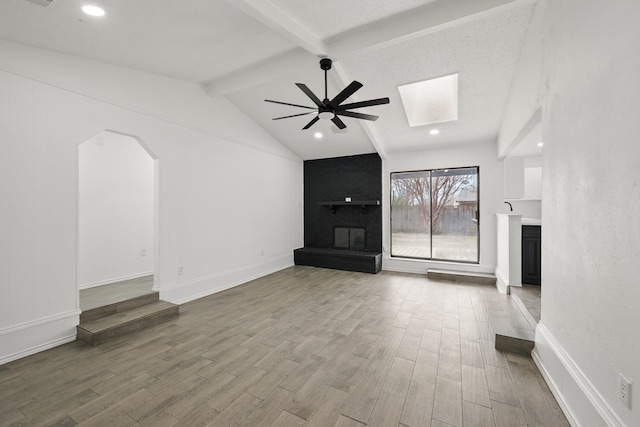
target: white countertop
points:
(531, 221)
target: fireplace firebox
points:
(350, 238)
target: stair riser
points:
(94, 339)
(462, 278)
(119, 307)
(514, 345)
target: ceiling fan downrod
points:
(325, 64)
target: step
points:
(98, 331)
(513, 333)
(462, 276)
(525, 311)
(118, 307)
(527, 299)
(515, 343)
(339, 259)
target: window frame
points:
(478, 219)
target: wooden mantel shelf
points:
(364, 204)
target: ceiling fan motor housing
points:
(325, 64)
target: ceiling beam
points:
(417, 22)
(279, 21)
(289, 63)
(370, 130)
(413, 23)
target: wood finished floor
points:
(531, 297)
(115, 292)
(301, 347)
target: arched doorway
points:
(116, 218)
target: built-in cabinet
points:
(531, 254)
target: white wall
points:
(526, 208)
(481, 154)
(509, 254)
(229, 201)
(116, 210)
(590, 326)
(521, 113)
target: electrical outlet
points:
(143, 252)
(180, 270)
(625, 391)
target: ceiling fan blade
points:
(368, 103)
(293, 115)
(293, 105)
(315, 119)
(336, 120)
(346, 92)
(310, 94)
(357, 115)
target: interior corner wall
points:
(482, 154)
(229, 195)
(589, 332)
(115, 210)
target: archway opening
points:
(116, 219)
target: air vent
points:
(43, 3)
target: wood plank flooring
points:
(301, 347)
(530, 297)
(115, 292)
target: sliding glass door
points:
(434, 214)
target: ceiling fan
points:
(331, 109)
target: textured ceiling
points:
(330, 17)
(250, 50)
(485, 53)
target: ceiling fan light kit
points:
(331, 109)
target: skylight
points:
(431, 101)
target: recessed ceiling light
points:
(540, 144)
(317, 135)
(431, 101)
(93, 10)
(434, 131)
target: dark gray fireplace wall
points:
(327, 180)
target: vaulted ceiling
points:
(251, 50)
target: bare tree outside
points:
(442, 202)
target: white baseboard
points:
(581, 402)
(115, 280)
(501, 284)
(181, 293)
(28, 338)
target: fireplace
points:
(342, 214)
(350, 238)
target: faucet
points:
(510, 207)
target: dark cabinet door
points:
(531, 254)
